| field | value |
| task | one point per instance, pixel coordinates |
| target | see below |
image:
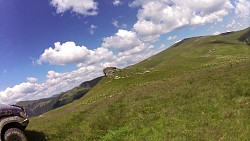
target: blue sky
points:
(50, 46)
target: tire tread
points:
(15, 131)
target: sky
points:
(50, 46)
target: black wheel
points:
(14, 134)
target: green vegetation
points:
(197, 89)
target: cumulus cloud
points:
(123, 43)
(231, 25)
(32, 79)
(55, 83)
(92, 29)
(115, 23)
(128, 48)
(98, 56)
(69, 53)
(148, 30)
(117, 2)
(172, 38)
(63, 54)
(242, 8)
(118, 25)
(10, 95)
(162, 16)
(123, 40)
(84, 7)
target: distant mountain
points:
(38, 107)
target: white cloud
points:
(118, 25)
(148, 30)
(172, 38)
(10, 95)
(216, 33)
(162, 16)
(115, 23)
(231, 25)
(138, 49)
(150, 38)
(117, 2)
(128, 47)
(92, 29)
(242, 8)
(69, 53)
(123, 40)
(63, 54)
(54, 84)
(97, 57)
(32, 79)
(84, 7)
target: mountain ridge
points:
(40, 106)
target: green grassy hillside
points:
(198, 89)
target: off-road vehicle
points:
(13, 121)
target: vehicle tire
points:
(14, 134)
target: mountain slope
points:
(38, 107)
(198, 89)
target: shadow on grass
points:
(35, 136)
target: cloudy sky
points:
(50, 46)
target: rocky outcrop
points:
(109, 71)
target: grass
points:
(198, 90)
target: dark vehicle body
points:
(13, 121)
